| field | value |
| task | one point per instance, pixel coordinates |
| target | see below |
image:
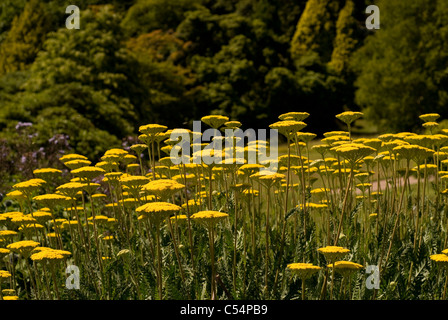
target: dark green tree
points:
(25, 38)
(84, 84)
(402, 67)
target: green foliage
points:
(80, 85)
(149, 15)
(345, 40)
(316, 29)
(402, 67)
(25, 38)
(8, 10)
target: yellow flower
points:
(51, 200)
(42, 216)
(23, 247)
(27, 227)
(99, 218)
(333, 253)
(233, 124)
(9, 292)
(413, 152)
(441, 260)
(429, 117)
(179, 218)
(4, 252)
(72, 156)
(70, 189)
(313, 205)
(134, 181)
(158, 210)
(88, 172)
(163, 187)
(306, 136)
(107, 165)
(353, 152)
(139, 148)
(288, 127)
(345, 268)
(215, 121)
(29, 186)
(152, 129)
(116, 151)
(430, 124)
(50, 255)
(46, 173)
(303, 270)
(76, 164)
(209, 217)
(269, 179)
(7, 234)
(349, 116)
(4, 274)
(16, 195)
(297, 116)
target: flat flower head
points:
(78, 163)
(4, 275)
(70, 189)
(209, 217)
(30, 227)
(108, 165)
(303, 270)
(51, 200)
(429, 117)
(163, 187)
(71, 157)
(42, 216)
(29, 186)
(49, 255)
(134, 181)
(232, 124)
(288, 127)
(440, 259)
(353, 152)
(297, 116)
(47, 173)
(116, 152)
(4, 252)
(158, 211)
(16, 195)
(215, 121)
(333, 253)
(139, 148)
(152, 129)
(349, 116)
(430, 125)
(345, 268)
(306, 136)
(270, 179)
(23, 247)
(7, 234)
(22, 220)
(413, 152)
(88, 172)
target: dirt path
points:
(383, 183)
